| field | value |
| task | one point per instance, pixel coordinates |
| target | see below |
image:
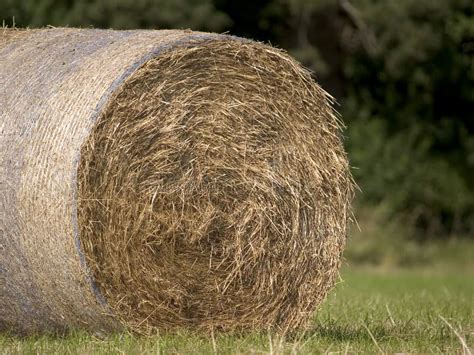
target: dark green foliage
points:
(416, 93)
(118, 14)
(403, 72)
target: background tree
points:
(119, 14)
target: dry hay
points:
(165, 179)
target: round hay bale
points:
(162, 180)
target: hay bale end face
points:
(164, 179)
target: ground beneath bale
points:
(398, 312)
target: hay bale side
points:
(164, 179)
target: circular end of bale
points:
(214, 191)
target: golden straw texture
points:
(164, 179)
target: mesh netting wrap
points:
(162, 180)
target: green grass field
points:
(412, 311)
